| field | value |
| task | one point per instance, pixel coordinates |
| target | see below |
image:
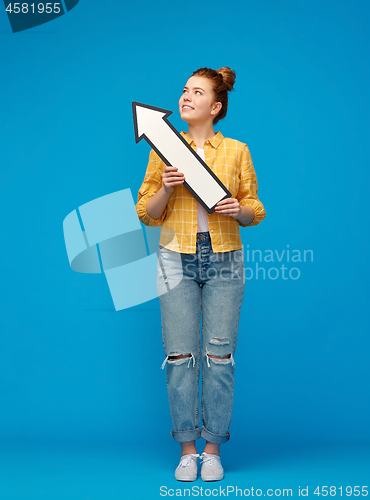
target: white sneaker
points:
(187, 470)
(212, 469)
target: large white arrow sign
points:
(151, 124)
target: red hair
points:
(222, 81)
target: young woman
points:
(201, 272)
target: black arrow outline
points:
(164, 159)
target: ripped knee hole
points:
(220, 360)
(179, 356)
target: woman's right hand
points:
(171, 177)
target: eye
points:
(184, 91)
(198, 92)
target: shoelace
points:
(209, 460)
(186, 460)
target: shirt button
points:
(211, 230)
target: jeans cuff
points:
(185, 436)
(214, 438)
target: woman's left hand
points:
(229, 206)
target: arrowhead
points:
(147, 117)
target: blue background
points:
(84, 411)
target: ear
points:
(216, 108)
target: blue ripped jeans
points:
(211, 284)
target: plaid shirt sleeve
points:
(150, 186)
(248, 188)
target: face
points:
(197, 104)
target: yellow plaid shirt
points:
(231, 161)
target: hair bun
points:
(228, 76)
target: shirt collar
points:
(214, 142)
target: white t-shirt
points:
(202, 213)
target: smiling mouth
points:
(186, 107)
